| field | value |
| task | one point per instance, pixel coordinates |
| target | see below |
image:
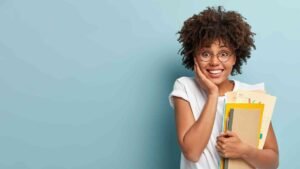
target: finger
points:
(223, 147)
(219, 139)
(199, 72)
(201, 75)
(196, 74)
(222, 139)
(222, 154)
(219, 144)
(228, 134)
(196, 70)
(219, 149)
(223, 134)
(195, 64)
(232, 139)
(231, 133)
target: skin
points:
(193, 134)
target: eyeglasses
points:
(222, 56)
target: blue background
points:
(84, 84)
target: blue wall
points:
(84, 84)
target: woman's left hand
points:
(229, 145)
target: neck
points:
(226, 86)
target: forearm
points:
(196, 138)
(262, 159)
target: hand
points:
(204, 82)
(229, 145)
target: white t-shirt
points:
(187, 89)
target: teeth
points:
(214, 71)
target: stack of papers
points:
(247, 113)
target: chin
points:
(217, 81)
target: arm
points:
(267, 158)
(193, 135)
(230, 146)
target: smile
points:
(215, 72)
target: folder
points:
(245, 120)
(256, 97)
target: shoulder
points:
(184, 80)
(247, 86)
(187, 89)
(189, 86)
(188, 83)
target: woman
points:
(215, 44)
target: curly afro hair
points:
(216, 24)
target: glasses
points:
(222, 56)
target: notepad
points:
(245, 119)
(246, 124)
(269, 101)
(248, 113)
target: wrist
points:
(213, 95)
(214, 92)
(249, 151)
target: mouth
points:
(215, 73)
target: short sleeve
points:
(179, 90)
(245, 86)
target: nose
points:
(214, 61)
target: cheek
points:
(202, 67)
(201, 64)
(197, 60)
(229, 69)
(229, 66)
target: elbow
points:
(191, 153)
(276, 163)
(193, 157)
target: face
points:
(216, 62)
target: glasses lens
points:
(205, 56)
(224, 56)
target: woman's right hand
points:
(204, 82)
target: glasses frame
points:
(212, 55)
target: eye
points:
(205, 54)
(224, 54)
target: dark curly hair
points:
(216, 24)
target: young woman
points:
(215, 44)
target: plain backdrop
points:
(84, 84)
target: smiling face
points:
(216, 62)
